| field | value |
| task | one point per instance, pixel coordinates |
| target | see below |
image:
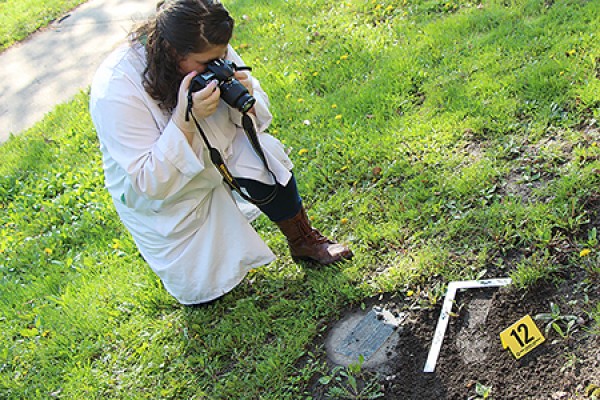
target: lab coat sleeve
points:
(261, 107)
(263, 116)
(159, 164)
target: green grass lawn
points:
(442, 140)
(20, 18)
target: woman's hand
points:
(205, 103)
(245, 80)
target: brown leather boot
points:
(307, 243)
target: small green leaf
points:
(324, 380)
(29, 332)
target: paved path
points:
(55, 64)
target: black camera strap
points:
(217, 159)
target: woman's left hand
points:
(245, 79)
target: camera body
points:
(232, 91)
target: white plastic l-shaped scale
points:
(442, 324)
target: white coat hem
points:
(230, 287)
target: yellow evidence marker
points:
(521, 337)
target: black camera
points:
(232, 91)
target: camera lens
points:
(236, 95)
(246, 103)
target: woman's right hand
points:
(205, 103)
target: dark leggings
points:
(286, 204)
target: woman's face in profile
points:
(199, 61)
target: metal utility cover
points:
(369, 334)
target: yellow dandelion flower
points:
(389, 8)
(344, 221)
(584, 252)
(302, 151)
(47, 251)
(344, 57)
(334, 106)
(338, 117)
(315, 73)
(410, 293)
(300, 100)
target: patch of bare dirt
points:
(560, 368)
(472, 354)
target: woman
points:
(183, 218)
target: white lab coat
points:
(168, 194)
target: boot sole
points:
(312, 260)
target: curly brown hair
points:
(180, 27)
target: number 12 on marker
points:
(521, 337)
